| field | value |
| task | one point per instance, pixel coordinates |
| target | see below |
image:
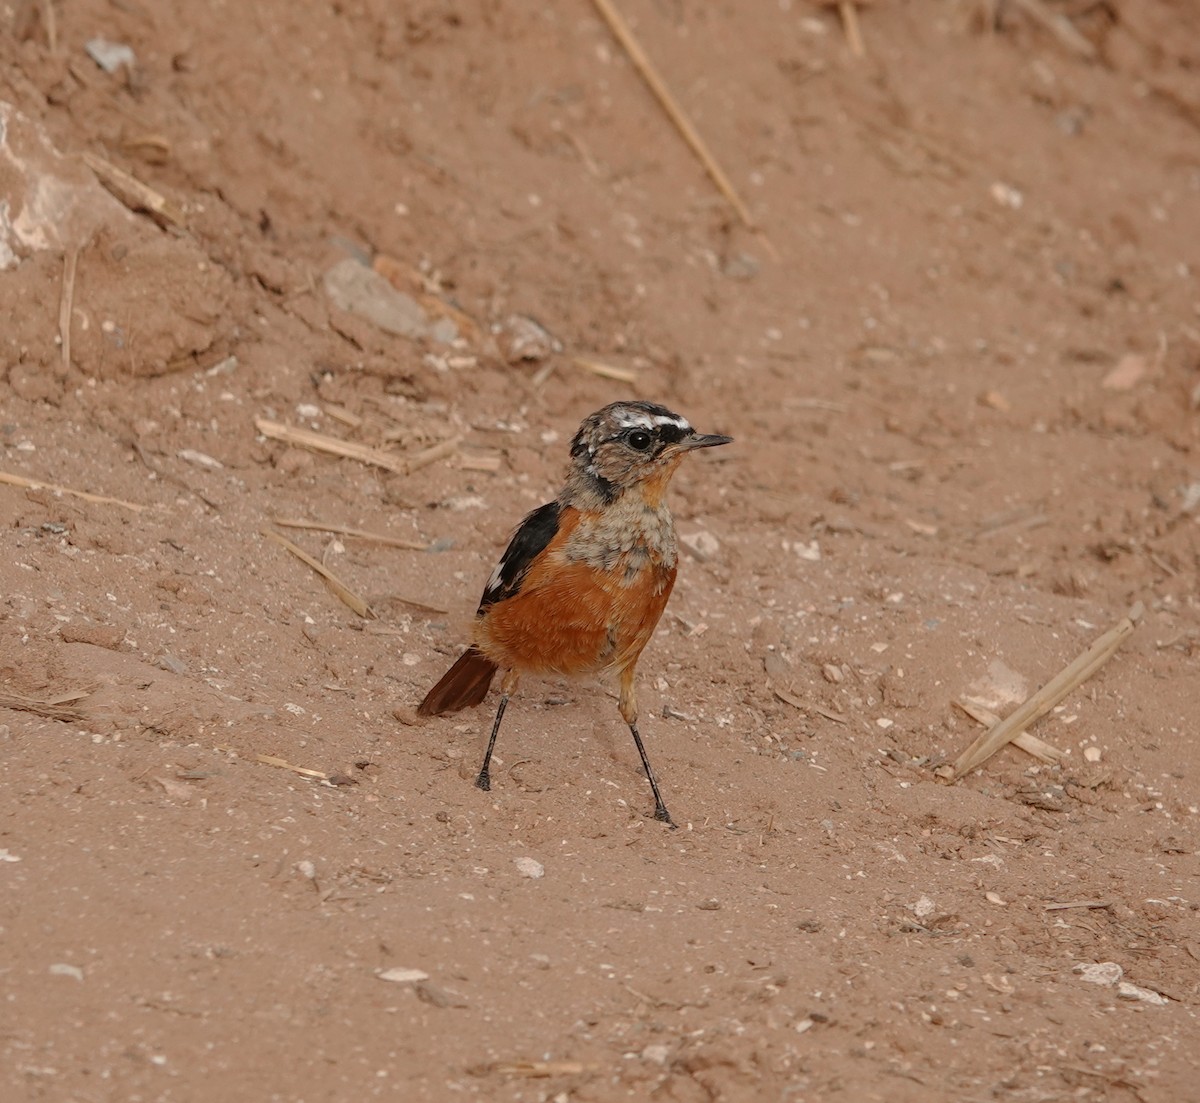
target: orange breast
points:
(571, 618)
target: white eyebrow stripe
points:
(674, 419)
(648, 421)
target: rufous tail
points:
(463, 685)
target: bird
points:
(585, 578)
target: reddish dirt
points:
(938, 488)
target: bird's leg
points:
(629, 712)
(507, 688)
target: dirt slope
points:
(961, 361)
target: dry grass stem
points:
(1079, 904)
(424, 606)
(1041, 702)
(284, 764)
(542, 374)
(539, 1069)
(66, 303)
(666, 98)
(134, 194)
(340, 413)
(1030, 744)
(346, 530)
(343, 592)
(432, 454)
(61, 707)
(849, 14)
(35, 484)
(1059, 26)
(605, 371)
(50, 20)
(320, 442)
(480, 461)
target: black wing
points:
(530, 539)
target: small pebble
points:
(169, 662)
(60, 969)
(530, 867)
(703, 545)
(1100, 972)
(1007, 196)
(923, 907)
(1092, 754)
(1127, 991)
(200, 459)
(110, 56)
(399, 975)
(435, 996)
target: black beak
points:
(703, 440)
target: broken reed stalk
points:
(605, 371)
(1059, 26)
(1029, 743)
(319, 442)
(343, 592)
(61, 707)
(1090, 904)
(849, 14)
(51, 24)
(35, 484)
(658, 86)
(284, 764)
(1040, 703)
(134, 194)
(346, 530)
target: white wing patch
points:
(495, 582)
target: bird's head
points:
(629, 444)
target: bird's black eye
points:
(639, 439)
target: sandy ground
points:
(961, 361)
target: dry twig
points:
(319, 442)
(1059, 26)
(34, 484)
(849, 14)
(481, 461)
(538, 1069)
(51, 22)
(61, 707)
(346, 530)
(66, 304)
(1030, 744)
(666, 98)
(605, 371)
(134, 194)
(284, 764)
(1079, 904)
(343, 592)
(1041, 702)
